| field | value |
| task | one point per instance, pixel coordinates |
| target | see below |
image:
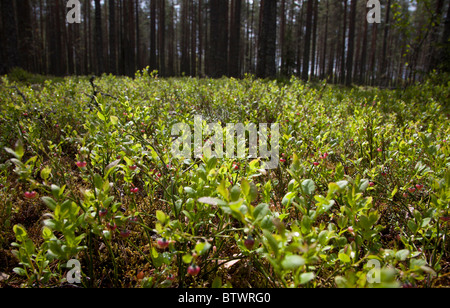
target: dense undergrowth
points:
(360, 197)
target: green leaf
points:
(235, 193)
(308, 186)
(202, 247)
(363, 185)
(211, 164)
(394, 192)
(19, 271)
(222, 190)
(412, 226)
(212, 201)
(292, 262)
(161, 217)
(402, 255)
(272, 241)
(306, 277)
(245, 186)
(20, 232)
(344, 257)
(98, 181)
(110, 168)
(187, 258)
(189, 191)
(253, 193)
(49, 202)
(114, 120)
(45, 173)
(101, 116)
(260, 211)
(217, 283)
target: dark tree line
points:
(312, 39)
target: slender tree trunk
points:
(373, 53)
(171, 42)
(98, 37)
(351, 42)
(314, 38)
(325, 42)
(162, 36)
(383, 68)
(138, 37)
(112, 38)
(362, 65)
(200, 38)
(153, 65)
(344, 32)
(282, 43)
(235, 39)
(307, 44)
(193, 40)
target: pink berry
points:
(193, 270)
(30, 195)
(163, 243)
(134, 190)
(81, 164)
(125, 233)
(111, 226)
(102, 212)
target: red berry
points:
(371, 184)
(81, 164)
(134, 167)
(30, 195)
(163, 243)
(379, 150)
(125, 233)
(193, 270)
(282, 160)
(419, 186)
(102, 212)
(316, 163)
(412, 189)
(134, 190)
(140, 276)
(111, 226)
(249, 242)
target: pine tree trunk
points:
(98, 37)
(112, 38)
(307, 44)
(267, 39)
(235, 36)
(351, 43)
